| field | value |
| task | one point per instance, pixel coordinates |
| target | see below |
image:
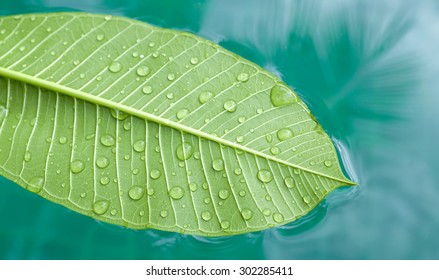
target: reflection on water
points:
(369, 72)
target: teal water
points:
(369, 71)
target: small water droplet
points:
(127, 125)
(265, 176)
(36, 184)
(206, 215)
(136, 192)
(247, 214)
(184, 151)
(205, 96)
(83, 195)
(296, 171)
(164, 213)
(113, 212)
(241, 119)
(207, 200)
(77, 166)
(171, 76)
(27, 156)
(183, 113)
(225, 224)
(107, 140)
(218, 164)
(102, 162)
(312, 162)
(278, 217)
(147, 89)
(142, 213)
(155, 174)
(268, 198)
(108, 17)
(193, 187)
(289, 182)
(269, 138)
(240, 139)
(143, 71)
(155, 54)
(22, 48)
(242, 193)
(307, 199)
(281, 95)
(223, 194)
(266, 212)
(104, 180)
(242, 77)
(139, 146)
(275, 150)
(284, 134)
(100, 207)
(230, 106)
(150, 191)
(176, 192)
(170, 95)
(115, 67)
(238, 171)
(100, 37)
(328, 163)
(62, 140)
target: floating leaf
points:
(151, 128)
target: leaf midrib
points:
(21, 77)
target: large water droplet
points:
(265, 176)
(143, 71)
(36, 184)
(281, 95)
(115, 67)
(242, 77)
(107, 140)
(284, 134)
(100, 207)
(289, 182)
(155, 174)
(183, 113)
(102, 162)
(278, 217)
(206, 215)
(223, 194)
(184, 151)
(247, 214)
(230, 106)
(136, 192)
(176, 192)
(218, 164)
(139, 146)
(205, 96)
(77, 166)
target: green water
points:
(369, 70)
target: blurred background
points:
(369, 71)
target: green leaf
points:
(152, 128)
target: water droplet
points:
(164, 213)
(83, 195)
(102, 162)
(104, 181)
(115, 67)
(171, 76)
(147, 89)
(328, 163)
(247, 214)
(22, 48)
(176, 192)
(241, 119)
(139, 146)
(289, 182)
(184, 151)
(155, 174)
(143, 71)
(312, 162)
(243, 77)
(275, 150)
(225, 224)
(307, 199)
(278, 217)
(284, 134)
(265, 176)
(266, 212)
(240, 139)
(205, 96)
(268, 198)
(82, 76)
(155, 54)
(281, 95)
(100, 37)
(127, 157)
(113, 212)
(183, 113)
(238, 171)
(107, 140)
(36, 184)
(108, 17)
(100, 207)
(170, 95)
(242, 193)
(207, 200)
(296, 171)
(218, 164)
(76, 62)
(142, 213)
(269, 138)
(27, 156)
(62, 140)
(77, 166)
(136, 192)
(230, 106)
(194, 60)
(127, 125)
(150, 191)
(206, 215)
(223, 194)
